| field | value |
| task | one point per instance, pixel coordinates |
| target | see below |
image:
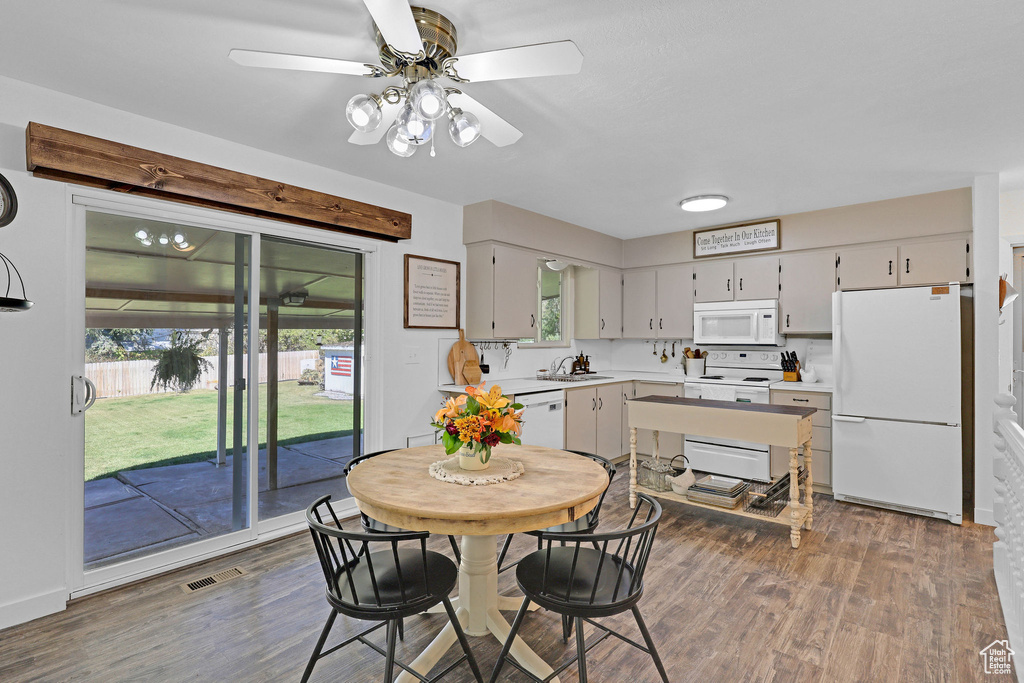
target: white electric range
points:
(742, 376)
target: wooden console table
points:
(759, 423)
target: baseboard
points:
(984, 517)
(19, 612)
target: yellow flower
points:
(469, 428)
(493, 400)
(451, 408)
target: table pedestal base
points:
(478, 608)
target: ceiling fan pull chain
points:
(432, 146)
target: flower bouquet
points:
(473, 423)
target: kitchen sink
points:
(571, 378)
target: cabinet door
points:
(610, 303)
(638, 304)
(675, 303)
(586, 301)
(669, 444)
(756, 278)
(867, 268)
(581, 419)
(933, 263)
(515, 293)
(714, 281)
(480, 296)
(609, 421)
(808, 281)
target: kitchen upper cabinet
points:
(867, 268)
(669, 444)
(501, 299)
(674, 302)
(639, 304)
(597, 302)
(756, 278)
(808, 281)
(714, 281)
(934, 263)
(593, 419)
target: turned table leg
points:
(632, 467)
(795, 515)
(808, 486)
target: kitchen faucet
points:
(555, 370)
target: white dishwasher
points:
(543, 418)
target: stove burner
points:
(756, 379)
(712, 377)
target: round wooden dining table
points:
(556, 487)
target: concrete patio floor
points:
(138, 512)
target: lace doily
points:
(500, 469)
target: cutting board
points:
(464, 362)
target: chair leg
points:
(511, 639)
(455, 549)
(567, 622)
(389, 663)
(319, 646)
(650, 643)
(462, 639)
(401, 630)
(581, 651)
(504, 549)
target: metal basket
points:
(770, 499)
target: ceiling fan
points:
(420, 46)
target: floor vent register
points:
(213, 579)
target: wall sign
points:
(432, 289)
(737, 239)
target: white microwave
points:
(737, 322)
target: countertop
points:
(820, 387)
(530, 385)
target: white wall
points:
(35, 419)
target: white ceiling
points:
(784, 106)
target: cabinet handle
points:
(602, 323)
(533, 320)
(908, 265)
(890, 266)
(741, 284)
(728, 282)
(802, 400)
(594, 407)
(600, 403)
(787, 320)
(659, 323)
(651, 323)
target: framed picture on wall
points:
(432, 287)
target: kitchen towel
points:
(715, 392)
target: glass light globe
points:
(464, 128)
(142, 234)
(164, 240)
(179, 238)
(146, 242)
(398, 144)
(363, 113)
(413, 128)
(427, 99)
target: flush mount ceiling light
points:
(704, 202)
(294, 298)
(556, 265)
(419, 46)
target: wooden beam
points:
(71, 157)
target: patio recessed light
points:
(704, 202)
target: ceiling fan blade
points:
(493, 127)
(396, 24)
(280, 60)
(389, 112)
(527, 61)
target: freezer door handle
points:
(846, 418)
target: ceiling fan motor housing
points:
(440, 40)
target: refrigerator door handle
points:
(847, 418)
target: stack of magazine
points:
(713, 489)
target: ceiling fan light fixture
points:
(427, 99)
(164, 240)
(142, 235)
(363, 113)
(704, 202)
(413, 128)
(398, 144)
(464, 128)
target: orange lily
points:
(451, 408)
(493, 400)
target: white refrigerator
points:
(896, 409)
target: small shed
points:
(338, 368)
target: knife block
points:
(792, 376)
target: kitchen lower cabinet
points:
(821, 432)
(934, 263)
(674, 302)
(669, 444)
(867, 268)
(807, 280)
(756, 278)
(713, 281)
(593, 419)
(639, 304)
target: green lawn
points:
(165, 429)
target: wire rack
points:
(770, 499)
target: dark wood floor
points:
(870, 596)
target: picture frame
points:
(744, 238)
(432, 291)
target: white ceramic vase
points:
(474, 456)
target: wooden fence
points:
(133, 377)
